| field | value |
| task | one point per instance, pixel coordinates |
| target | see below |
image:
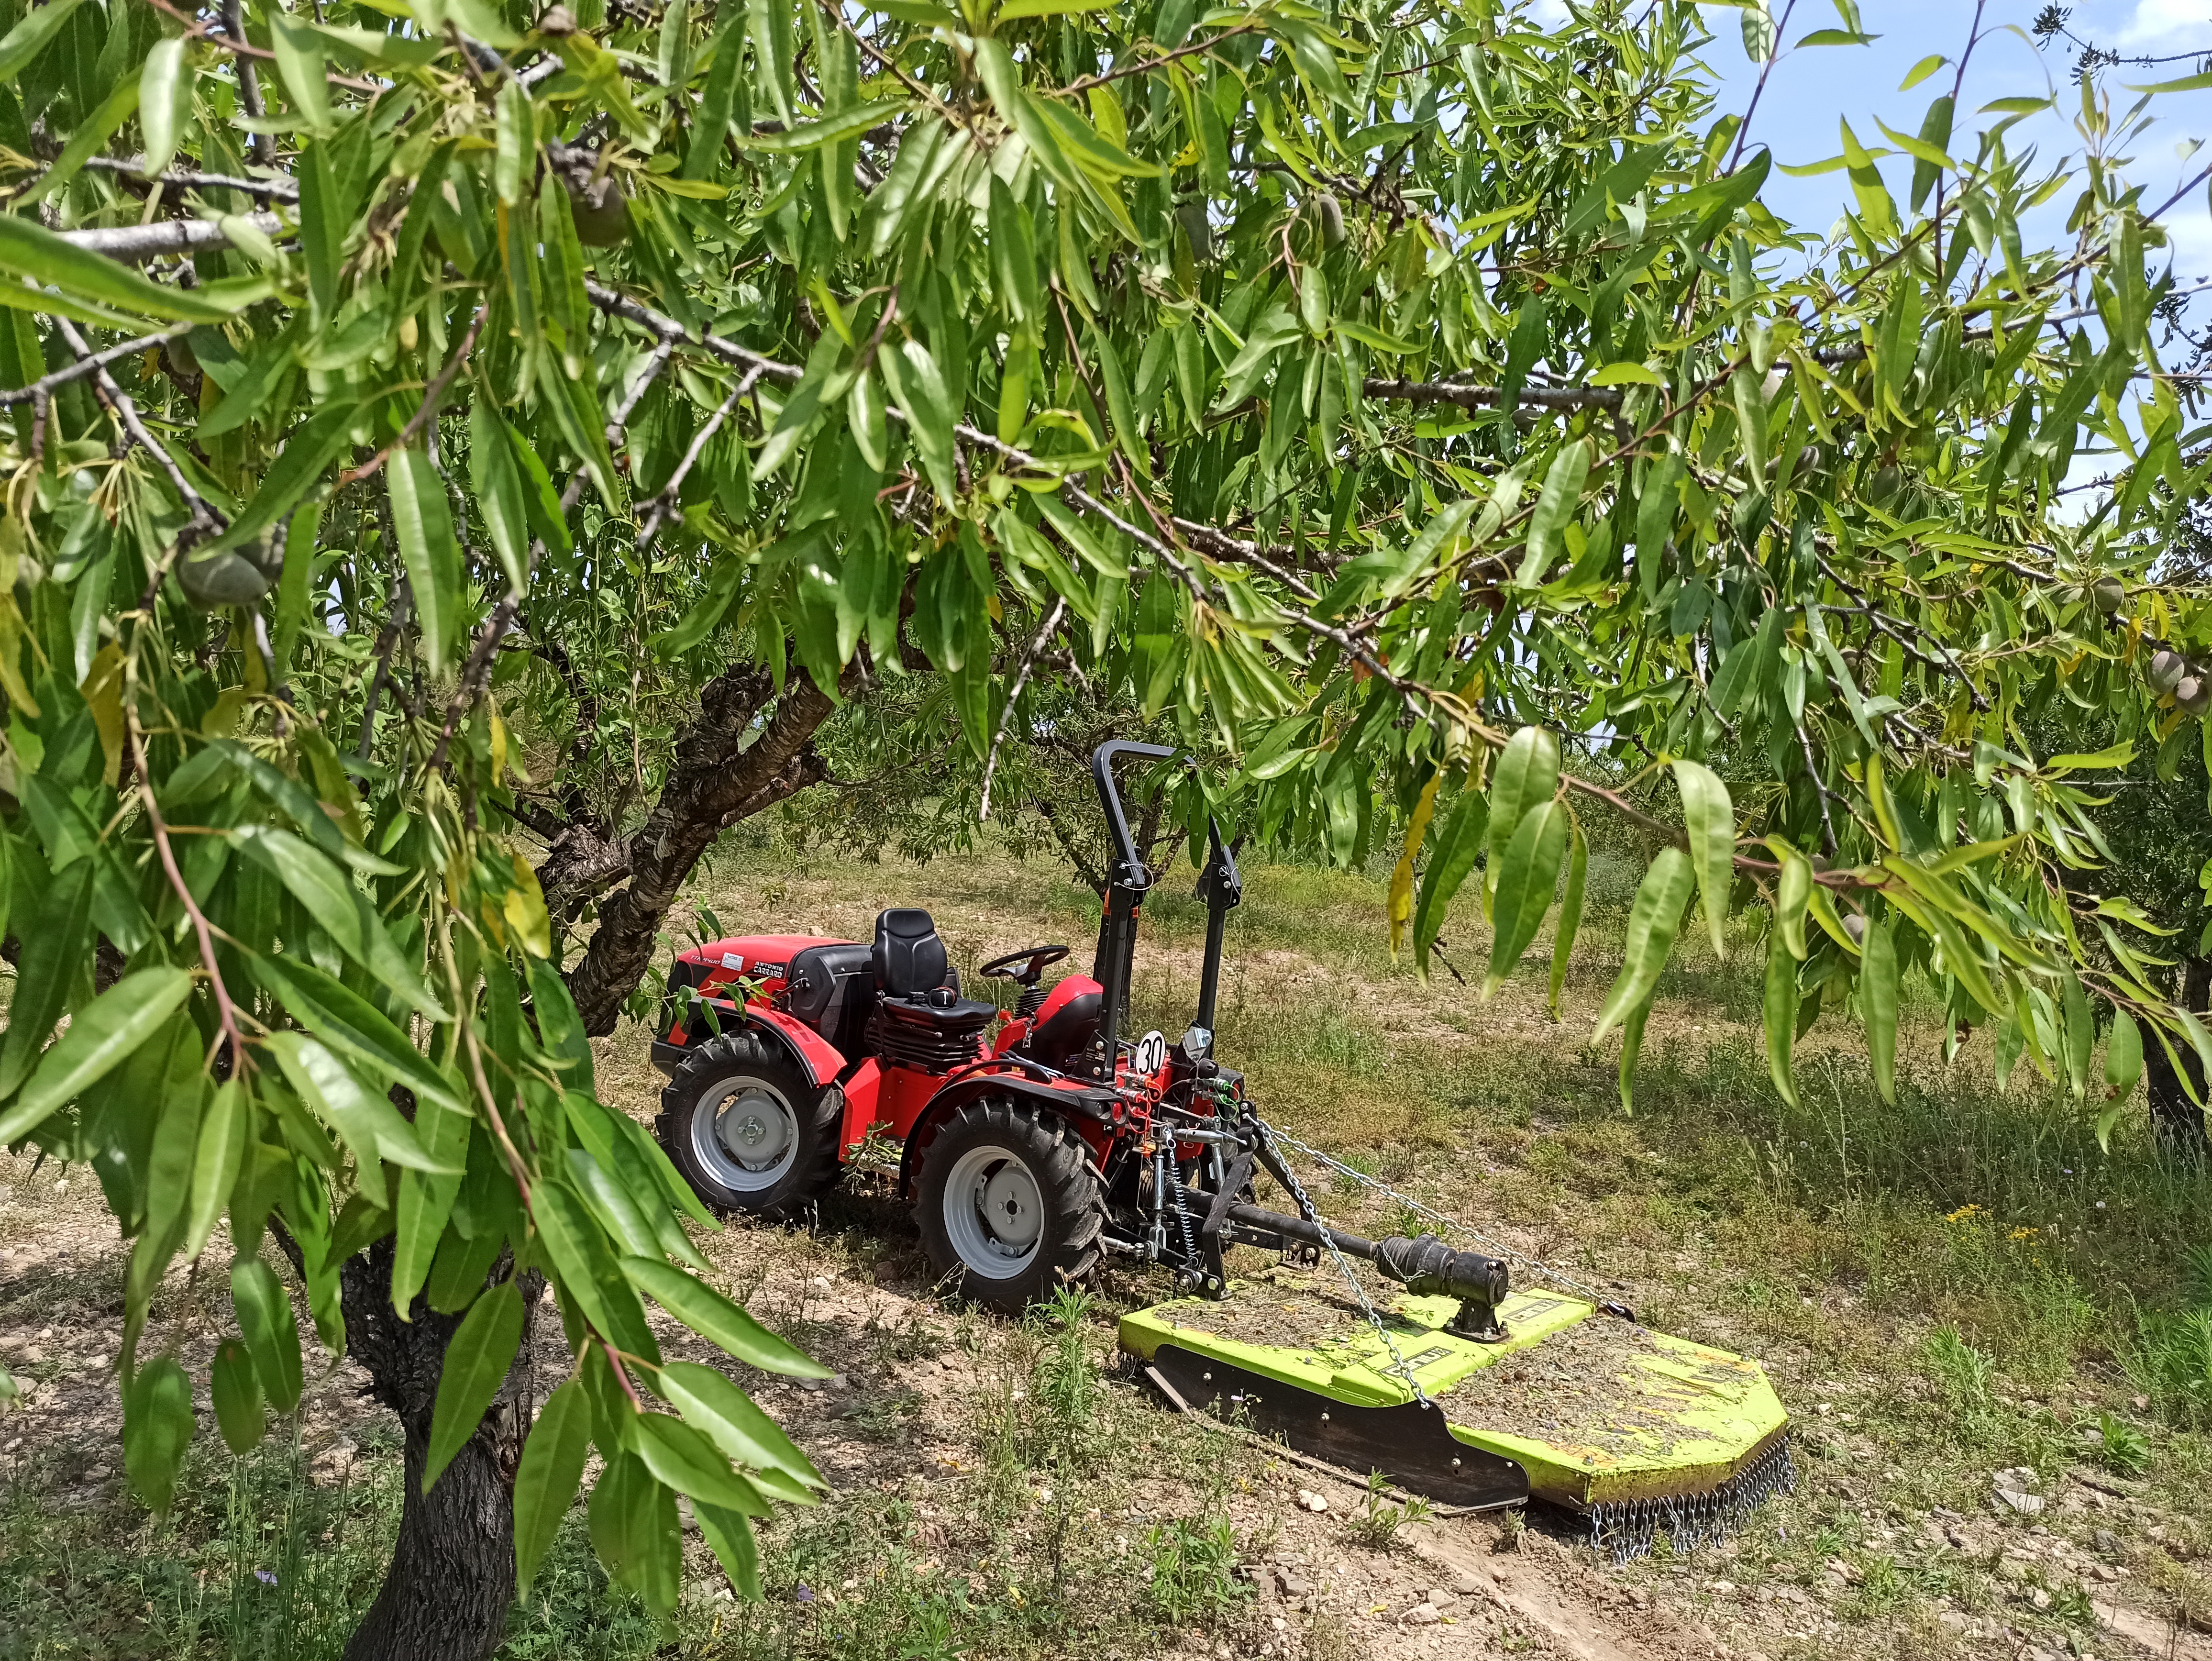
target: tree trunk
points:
(445, 1596)
(2178, 1121)
(717, 779)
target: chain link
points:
(1399, 1365)
(1499, 1247)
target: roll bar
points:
(1219, 885)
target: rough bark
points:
(2178, 1120)
(445, 1596)
(717, 779)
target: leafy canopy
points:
(1422, 412)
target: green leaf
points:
(634, 1530)
(157, 1428)
(164, 93)
(1451, 856)
(2186, 83)
(2123, 1056)
(22, 43)
(718, 1320)
(476, 1359)
(1626, 374)
(426, 1202)
(545, 1482)
(1631, 1046)
(515, 142)
(102, 1037)
(1526, 883)
(1778, 1015)
(2080, 1037)
(590, 1276)
(497, 477)
(340, 909)
(1556, 504)
(1570, 916)
(829, 130)
(363, 1117)
(1527, 776)
(918, 389)
(1793, 890)
(688, 1462)
(1710, 818)
(425, 529)
(308, 448)
(216, 1161)
(349, 1022)
(730, 1537)
(1920, 71)
(1653, 918)
(28, 250)
(237, 1397)
(272, 1338)
(299, 49)
(708, 1400)
(1877, 1005)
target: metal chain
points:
(1306, 1209)
(1411, 1204)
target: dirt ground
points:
(905, 1422)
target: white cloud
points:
(2162, 26)
(2189, 236)
(1551, 14)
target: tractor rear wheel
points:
(1009, 1204)
(749, 1129)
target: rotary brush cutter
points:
(1035, 1141)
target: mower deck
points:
(1597, 1415)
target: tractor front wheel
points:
(749, 1129)
(1009, 1207)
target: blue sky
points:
(1809, 89)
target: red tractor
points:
(1028, 1150)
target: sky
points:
(1808, 90)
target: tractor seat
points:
(908, 956)
(921, 1020)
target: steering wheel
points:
(1033, 960)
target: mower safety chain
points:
(1306, 1210)
(1625, 1530)
(1607, 1306)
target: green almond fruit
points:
(222, 578)
(602, 215)
(2165, 671)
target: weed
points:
(1379, 1522)
(1193, 1562)
(2121, 1446)
(1963, 1373)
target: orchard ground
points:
(1993, 1336)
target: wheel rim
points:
(994, 1212)
(744, 1135)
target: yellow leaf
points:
(1402, 879)
(526, 911)
(222, 720)
(103, 690)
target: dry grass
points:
(998, 1496)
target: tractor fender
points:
(1072, 1100)
(813, 1052)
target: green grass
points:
(1962, 1278)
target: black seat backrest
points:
(909, 959)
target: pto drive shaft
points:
(1426, 1266)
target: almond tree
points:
(1424, 409)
